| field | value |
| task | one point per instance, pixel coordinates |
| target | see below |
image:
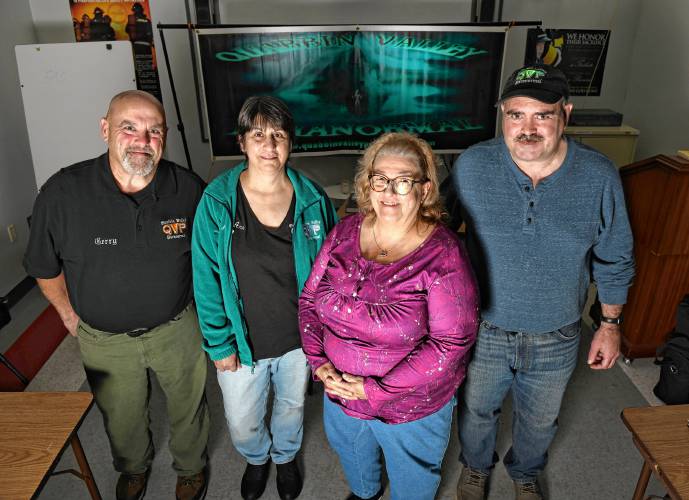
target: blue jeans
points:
(537, 368)
(245, 397)
(413, 451)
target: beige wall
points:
(17, 184)
(658, 89)
(619, 16)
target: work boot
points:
(471, 484)
(289, 480)
(191, 487)
(528, 490)
(254, 480)
(131, 486)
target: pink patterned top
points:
(406, 327)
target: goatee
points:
(137, 164)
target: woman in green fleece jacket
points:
(257, 231)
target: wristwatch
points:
(612, 321)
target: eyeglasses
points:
(400, 185)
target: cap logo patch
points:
(528, 74)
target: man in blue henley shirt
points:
(544, 216)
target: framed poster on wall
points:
(346, 85)
(580, 54)
(121, 20)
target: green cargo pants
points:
(117, 370)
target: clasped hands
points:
(341, 385)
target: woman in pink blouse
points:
(387, 318)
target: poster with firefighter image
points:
(120, 20)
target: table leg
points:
(86, 473)
(642, 482)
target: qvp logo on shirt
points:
(312, 229)
(174, 228)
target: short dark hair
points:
(264, 109)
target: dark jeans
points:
(537, 368)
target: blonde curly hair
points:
(410, 147)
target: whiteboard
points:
(66, 89)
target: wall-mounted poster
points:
(580, 54)
(121, 20)
(346, 85)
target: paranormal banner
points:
(347, 85)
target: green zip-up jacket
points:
(215, 282)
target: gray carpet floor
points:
(592, 456)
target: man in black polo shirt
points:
(110, 249)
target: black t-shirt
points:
(126, 258)
(263, 259)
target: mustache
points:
(529, 138)
(145, 150)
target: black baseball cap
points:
(538, 81)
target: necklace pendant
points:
(383, 253)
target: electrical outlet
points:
(12, 233)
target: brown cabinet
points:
(657, 195)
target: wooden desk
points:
(35, 428)
(662, 436)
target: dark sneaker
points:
(377, 496)
(471, 484)
(131, 486)
(289, 480)
(191, 487)
(528, 490)
(254, 480)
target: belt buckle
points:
(138, 332)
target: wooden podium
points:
(657, 195)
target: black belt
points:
(140, 331)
